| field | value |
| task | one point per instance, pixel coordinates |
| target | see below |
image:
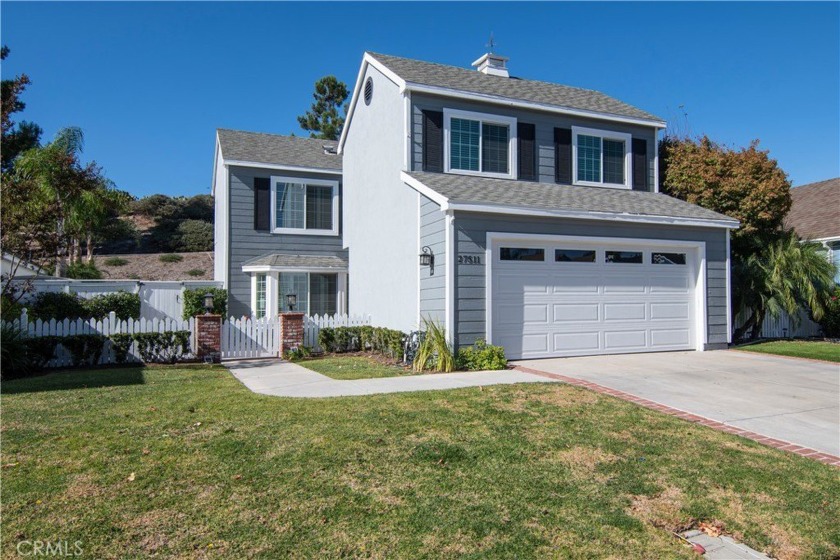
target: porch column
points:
(272, 288)
(341, 294)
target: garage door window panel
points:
(521, 254)
(623, 257)
(574, 255)
(668, 258)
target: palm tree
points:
(784, 275)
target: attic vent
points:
(368, 91)
(329, 149)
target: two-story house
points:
(278, 224)
(521, 212)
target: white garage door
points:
(576, 299)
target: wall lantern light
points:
(208, 303)
(291, 301)
(427, 258)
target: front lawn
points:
(816, 350)
(186, 462)
(354, 367)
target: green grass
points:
(196, 272)
(185, 462)
(353, 367)
(116, 261)
(170, 258)
(816, 350)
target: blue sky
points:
(150, 82)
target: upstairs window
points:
(479, 144)
(304, 206)
(601, 158)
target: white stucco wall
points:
(380, 212)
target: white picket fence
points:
(313, 325)
(250, 338)
(784, 326)
(260, 338)
(108, 326)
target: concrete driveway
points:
(783, 398)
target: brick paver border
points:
(772, 442)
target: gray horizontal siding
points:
(246, 243)
(545, 124)
(470, 283)
(433, 286)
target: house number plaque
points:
(469, 259)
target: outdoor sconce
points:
(208, 303)
(427, 258)
(291, 301)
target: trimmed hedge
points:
(61, 305)
(194, 301)
(830, 321)
(355, 339)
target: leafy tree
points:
(194, 235)
(16, 138)
(745, 184)
(323, 119)
(43, 196)
(783, 275)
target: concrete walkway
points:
(788, 399)
(285, 379)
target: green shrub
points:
(196, 272)
(85, 349)
(170, 258)
(194, 301)
(115, 261)
(14, 355)
(165, 347)
(297, 354)
(193, 235)
(121, 344)
(354, 339)
(481, 357)
(56, 305)
(124, 304)
(83, 271)
(434, 353)
(830, 321)
(10, 310)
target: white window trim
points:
(304, 181)
(273, 297)
(510, 122)
(608, 135)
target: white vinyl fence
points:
(105, 327)
(313, 325)
(260, 338)
(159, 299)
(784, 326)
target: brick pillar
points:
(291, 331)
(208, 337)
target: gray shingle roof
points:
(463, 79)
(256, 147)
(299, 261)
(508, 194)
(815, 212)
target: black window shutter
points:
(563, 155)
(640, 169)
(526, 138)
(262, 204)
(433, 141)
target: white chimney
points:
(493, 64)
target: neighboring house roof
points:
(291, 261)
(815, 212)
(463, 79)
(465, 191)
(148, 266)
(274, 149)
